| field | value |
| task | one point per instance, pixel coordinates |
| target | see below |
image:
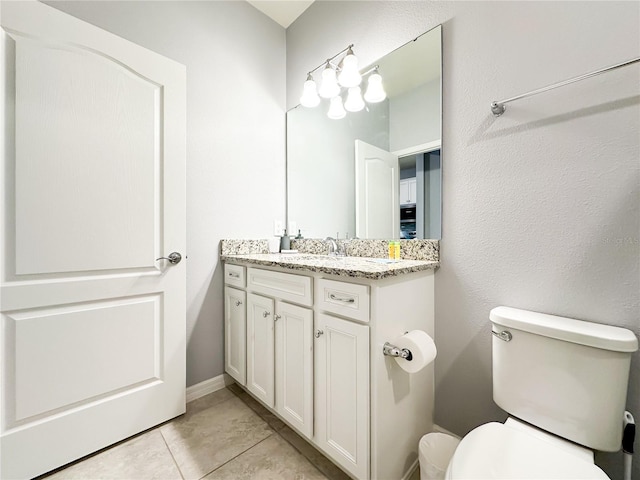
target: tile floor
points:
(224, 435)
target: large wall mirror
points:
(375, 173)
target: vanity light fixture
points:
(336, 109)
(349, 74)
(329, 87)
(375, 91)
(354, 102)
(339, 75)
(310, 96)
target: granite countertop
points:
(355, 267)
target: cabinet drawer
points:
(286, 286)
(346, 299)
(234, 275)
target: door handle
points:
(174, 258)
(265, 314)
(318, 333)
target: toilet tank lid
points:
(606, 337)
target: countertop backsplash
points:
(416, 249)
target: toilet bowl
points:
(514, 450)
(564, 383)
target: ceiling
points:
(282, 11)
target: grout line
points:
(301, 452)
(241, 453)
(313, 464)
(171, 453)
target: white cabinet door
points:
(404, 191)
(235, 334)
(342, 392)
(408, 191)
(92, 327)
(260, 344)
(413, 193)
(294, 366)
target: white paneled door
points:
(377, 196)
(93, 183)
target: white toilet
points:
(564, 383)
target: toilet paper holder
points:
(392, 351)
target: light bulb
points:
(354, 102)
(336, 110)
(349, 75)
(309, 96)
(329, 87)
(375, 91)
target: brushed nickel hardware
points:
(393, 351)
(318, 333)
(498, 107)
(342, 299)
(174, 258)
(503, 335)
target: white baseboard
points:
(208, 386)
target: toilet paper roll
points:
(422, 349)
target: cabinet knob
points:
(276, 317)
(265, 314)
(238, 303)
(318, 333)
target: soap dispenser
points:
(285, 242)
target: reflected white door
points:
(377, 196)
(93, 180)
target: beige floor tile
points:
(209, 400)
(264, 413)
(142, 457)
(321, 462)
(206, 438)
(271, 459)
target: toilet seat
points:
(499, 451)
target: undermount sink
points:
(311, 256)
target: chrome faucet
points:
(333, 245)
(337, 248)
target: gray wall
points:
(419, 110)
(541, 206)
(235, 58)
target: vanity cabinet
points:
(235, 336)
(314, 357)
(342, 392)
(294, 366)
(260, 348)
(280, 345)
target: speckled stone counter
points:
(416, 249)
(354, 267)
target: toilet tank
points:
(566, 376)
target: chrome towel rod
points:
(498, 107)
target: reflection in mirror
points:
(375, 173)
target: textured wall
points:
(541, 206)
(235, 58)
